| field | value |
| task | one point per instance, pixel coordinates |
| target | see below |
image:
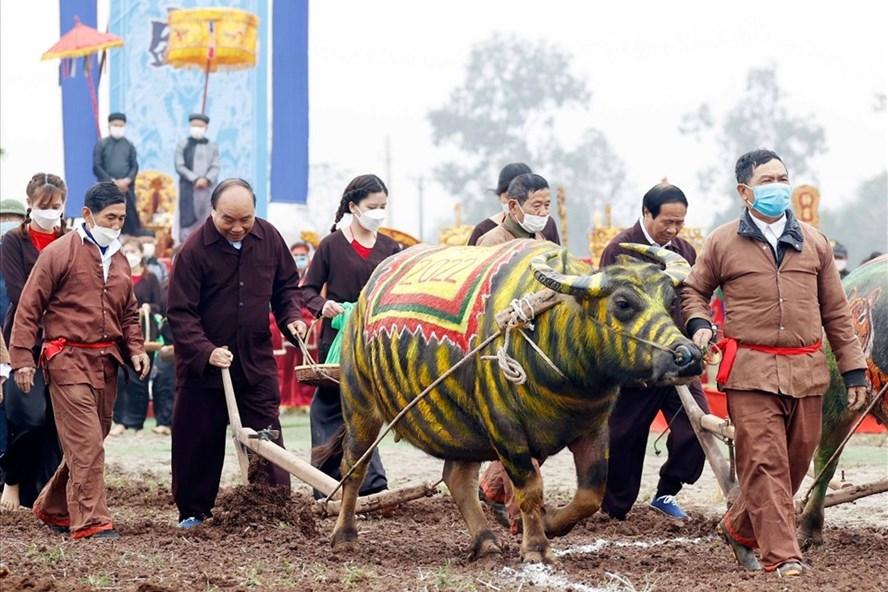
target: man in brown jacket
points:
(81, 293)
(781, 291)
(528, 202)
(528, 213)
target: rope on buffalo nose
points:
(522, 315)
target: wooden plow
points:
(710, 428)
(261, 444)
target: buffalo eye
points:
(623, 308)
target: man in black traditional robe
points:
(114, 159)
(228, 275)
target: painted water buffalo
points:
(424, 309)
(867, 291)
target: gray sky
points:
(378, 67)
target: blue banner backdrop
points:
(289, 136)
(158, 98)
(78, 121)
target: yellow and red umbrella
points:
(82, 42)
(212, 39)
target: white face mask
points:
(46, 219)
(117, 131)
(841, 264)
(198, 132)
(533, 224)
(103, 235)
(134, 260)
(149, 250)
(371, 219)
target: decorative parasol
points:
(212, 39)
(82, 42)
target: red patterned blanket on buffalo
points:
(436, 292)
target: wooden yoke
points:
(539, 302)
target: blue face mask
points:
(8, 225)
(301, 261)
(771, 199)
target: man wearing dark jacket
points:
(663, 213)
(228, 275)
(114, 159)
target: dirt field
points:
(262, 541)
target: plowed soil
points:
(264, 539)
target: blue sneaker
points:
(667, 505)
(191, 522)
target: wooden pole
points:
(849, 494)
(248, 438)
(383, 499)
(720, 467)
(92, 96)
(203, 103)
(235, 423)
(288, 461)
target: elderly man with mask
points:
(782, 296)
(528, 211)
(230, 272)
(114, 159)
(197, 162)
(80, 293)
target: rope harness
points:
(520, 314)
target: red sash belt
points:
(729, 348)
(54, 347)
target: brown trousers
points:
(75, 496)
(775, 439)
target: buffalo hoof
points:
(810, 538)
(538, 556)
(484, 547)
(345, 540)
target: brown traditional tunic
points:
(550, 232)
(784, 297)
(505, 232)
(220, 296)
(69, 293)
